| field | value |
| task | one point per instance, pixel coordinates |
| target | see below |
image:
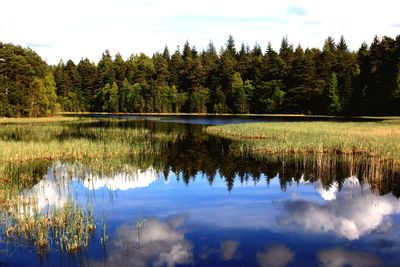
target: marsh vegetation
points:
(380, 140)
(61, 181)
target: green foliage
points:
(198, 100)
(109, 97)
(26, 84)
(231, 81)
(270, 96)
(333, 106)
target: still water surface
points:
(199, 202)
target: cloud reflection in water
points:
(339, 257)
(161, 244)
(350, 213)
(275, 256)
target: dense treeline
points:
(333, 80)
(27, 86)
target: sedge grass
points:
(69, 227)
(372, 139)
(74, 140)
(38, 120)
(25, 142)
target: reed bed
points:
(27, 149)
(39, 119)
(372, 139)
(74, 140)
(69, 228)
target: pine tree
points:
(89, 83)
(332, 93)
(106, 69)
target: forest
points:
(235, 79)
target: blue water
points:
(207, 225)
(201, 203)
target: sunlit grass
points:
(74, 140)
(38, 120)
(376, 139)
(25, 143)
(69, 227)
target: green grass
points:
(74, 140)
(38, 120)
(373, 139)
(69, 227)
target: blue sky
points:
(85, 28)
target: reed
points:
(39, 119)
(371, 139)
(75, 140)
(69, 227)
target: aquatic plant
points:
(76, 140)
(371, 139)
(69, 227)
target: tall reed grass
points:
(372, 139)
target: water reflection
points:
(201, 200)
(59, 184)
(161, 244)
(128, 179)
(275, 256)
(338, 257)
(350, 213)
(227, 251)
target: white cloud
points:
(75, 29)
(275, 256)
(339, 257)
(327, 194)
(121, 180)
(55, 189)
(351, 213)
(48, 193)
(161, 245)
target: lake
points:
(180, 197)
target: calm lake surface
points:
(195, 200)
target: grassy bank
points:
(39, 119)
(378, 139)
(74, 140)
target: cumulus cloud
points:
(48, 193)
(121, 180)
(161, 244)
(99, 25)
(55, 189)
(328, 194)
(339, 257)
(351, 213)
(275, 256)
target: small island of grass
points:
(372, 139)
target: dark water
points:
(225, 119)
(201, 202)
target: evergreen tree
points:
(120, 68)
(106, 69)
(89, 83)
(333, 105)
